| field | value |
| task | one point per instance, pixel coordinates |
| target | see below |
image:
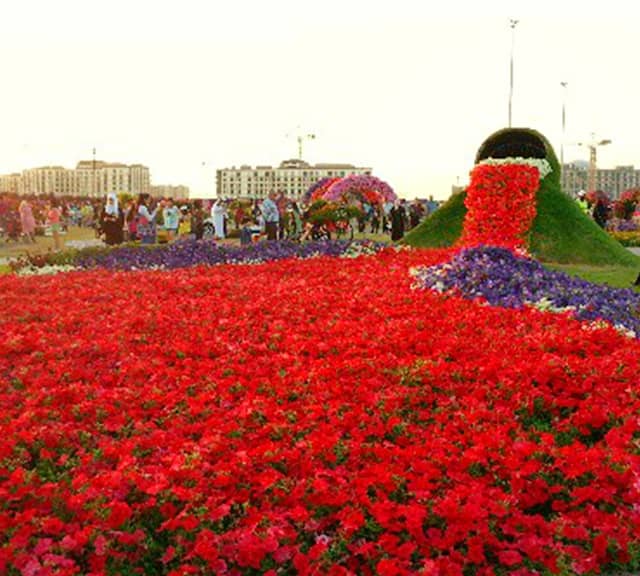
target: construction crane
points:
(593, 146)
(301, 138)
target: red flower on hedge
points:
(501, 205)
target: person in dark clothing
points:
(415, 213)
(197, 220)
(397, 216)
(600, 213)
(246, 233)
(112, 221)
(375, 220)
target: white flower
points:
(39, 271)
(541, 164)
(79, 244)
(546, 305)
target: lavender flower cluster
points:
(621, 225)
(504, 279)
(188, 253)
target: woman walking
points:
(146, 225)
(27, 221)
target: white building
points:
(11, 184)
(49, 180)
(293, 177)
(89, 178)
(613, 181)
(167, 191)
(97, 178)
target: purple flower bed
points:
(503, 279)
(620, 225)
(193, 253)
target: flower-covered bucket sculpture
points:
(501, 197)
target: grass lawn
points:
(616, 276)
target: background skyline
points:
(411, 91)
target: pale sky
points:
(409, 88)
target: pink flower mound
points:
(363, 188)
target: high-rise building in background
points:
(293, 177)
(613, 181)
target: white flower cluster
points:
(546, 305)
(420, 273)
(42, 270)
(600, 324)
(355, 250)
(541, 164)
(79, 244)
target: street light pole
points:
(564, 118)
(513, 24)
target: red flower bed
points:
(501, 205)
(310, 417)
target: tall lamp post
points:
(513, 24)
(564, 119)
(93, 175)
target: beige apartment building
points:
(49, 180)
(167, 191)
(613, 181)
(97, 178)
(293, 177)
(11, 184)
(88, 178)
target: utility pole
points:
(564, 105)
(513, 24)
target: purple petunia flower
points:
(504, 279)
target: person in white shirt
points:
(218, 212)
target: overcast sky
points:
(409, 88)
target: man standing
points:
(271, 216)
(281, 203)
(397, 217)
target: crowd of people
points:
(22, 218)
(279, 217)
(147, 220)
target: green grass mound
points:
(561, 232)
